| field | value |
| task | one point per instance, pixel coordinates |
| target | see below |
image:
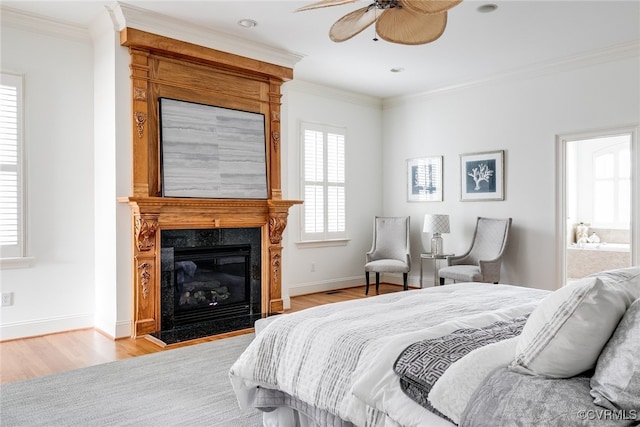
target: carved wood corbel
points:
(146, 232)
(277, 224)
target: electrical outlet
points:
(7, 298)
(313, 267)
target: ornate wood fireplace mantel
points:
(164, 67)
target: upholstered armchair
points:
(390, 251)
(482, 262)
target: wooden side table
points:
(435, 259)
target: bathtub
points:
(589, 258)
(613, 247)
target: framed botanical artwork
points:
(482, 176)
(424, 179)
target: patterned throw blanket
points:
(421, 364)
(317, 355)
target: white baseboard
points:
(121, 329)
(348, 282)
(324, 285)
(51, 325)
(124, 329)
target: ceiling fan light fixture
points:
(248, 23)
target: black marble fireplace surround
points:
(210, 282)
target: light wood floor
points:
(39, 356)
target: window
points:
(11, 182)
(323, 172)
(612, 186)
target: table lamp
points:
(436, 224)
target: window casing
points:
(323, 175)
(12, 233)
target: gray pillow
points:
(615, 384)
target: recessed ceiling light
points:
(247, 23)
(487, 8)
(397, 70)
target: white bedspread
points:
(339, 357)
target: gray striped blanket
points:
(327, 356)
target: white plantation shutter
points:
(11, 197)
(323, 171)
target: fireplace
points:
(158, 68)
(210, 282)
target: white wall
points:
(521, 116)
(113, 180)
(335, 266)
(56, 292)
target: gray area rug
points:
(187, 386)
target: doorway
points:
(597, 216)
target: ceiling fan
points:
(408, 22)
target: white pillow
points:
(454, 389)
(567, 330)
(628, 278)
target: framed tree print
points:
(482, 176)
(424, 179)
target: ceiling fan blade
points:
(430, 6)
(403, 26)
(324, 3)
(353, 23)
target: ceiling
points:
(517, 36)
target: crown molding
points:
(152, 22)
(36, 23)
(125, 15)
(332, 93)
(601, 56)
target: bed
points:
(463, 354)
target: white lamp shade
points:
(434, 223)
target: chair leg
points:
(442, 281)
(366, 275)
(377, 282)
(404, 280)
